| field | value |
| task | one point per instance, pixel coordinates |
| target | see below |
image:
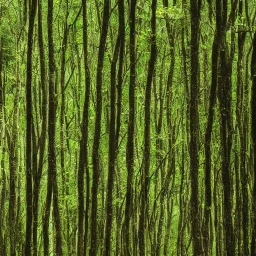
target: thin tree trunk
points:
(63, 128)
(224, 94)
(121, 18)
(208, 137)
(2, 148)
(52, 186)
(51, 132)
(13, 161)
(241, 177)
(130, 135)
(97, 128)
(112, 151)
(83, 154)
(121, 31)
(42, 139)
(194, 127)
(253, 130)
(29, 119)
(146, 152)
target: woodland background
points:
(127, 127)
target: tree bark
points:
(130, 134)
(51, 132)
(83, 154)
(208, 136)
(253, 131)
(111, 150)
(146, 152)
(194, 127)
(29, 120)
(42, 139)
(224, 95)
(97, 128)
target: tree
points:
(146, 152)
(127, 127)
(253, 120)
(194, 126)
(97, 128)
(83, 157)
(52, 186)
(29, 191)
(226, 130)
(130, 132)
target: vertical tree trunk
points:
(2, 165)
(97, 128)
(121, 31)
(146, 152)
(241, 177)
(183, 205)
(160, 159)
(83, 154)
(253, 130)
(121, 18)
(3, 244)
(29, 119)
(13, 167)
(42, 139)
(208, 135)
(224, 94)
(194, 126)
(52, 186)
(64, 175)
(51, 132)
(112, 151)
(130, 135)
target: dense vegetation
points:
(128, 127)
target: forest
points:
(128, 127)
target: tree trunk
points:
(29, 119)
(97, 128)
(83, 154)
(194, 127)
(130, 136)
(146, 152)
(208, 136)
(253, 127)
(42, 139)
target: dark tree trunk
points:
(97, 128)
(51, 133)
(52, 186)
(130, 135)
(29, 119)
(3, 244)
(226, 142)
(46, 216)
(224, 94)
(42, 139)
(160, 159)
(2, 148)
(253, 127)
(120, 69)
(208, 135)
(83, 154)
(121, 18)
(146, 152)
(194, 126)
(63, 128)
(241, 116)
(112, 151)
